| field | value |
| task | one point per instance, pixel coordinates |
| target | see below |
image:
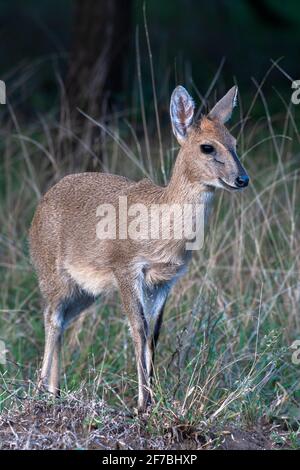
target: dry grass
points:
(75, 422)
(224, 359)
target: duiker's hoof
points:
(144, 409)
(43, 390)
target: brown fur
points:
(74, 266)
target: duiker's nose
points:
(242, 181)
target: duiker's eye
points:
(207, 148)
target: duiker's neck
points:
(182, 188)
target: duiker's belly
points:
(92, 279)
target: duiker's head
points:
(208, 148)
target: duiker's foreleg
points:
(139, 331)
(50, 371)
(152, 341)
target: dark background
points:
(226, 346)
(189, 40)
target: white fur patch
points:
(94, 281)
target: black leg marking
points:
(72, 306)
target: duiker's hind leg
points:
(50, 371)
(56, 319)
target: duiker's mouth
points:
(236, 187)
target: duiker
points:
(75, 266)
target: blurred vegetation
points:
(225, 350)
(189, 40)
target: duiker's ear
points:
(223, 109)
(182, 113)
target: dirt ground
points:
(75, 424)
